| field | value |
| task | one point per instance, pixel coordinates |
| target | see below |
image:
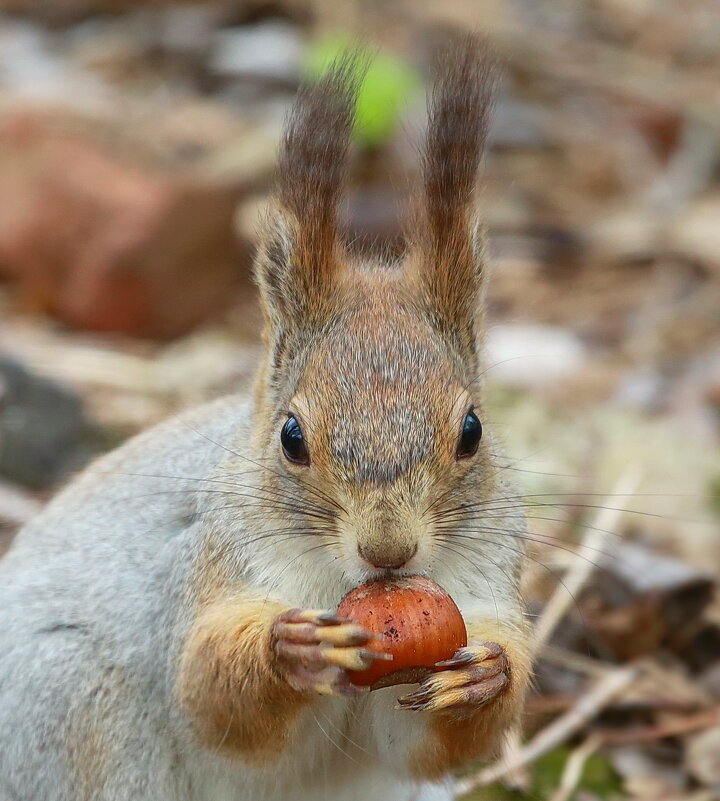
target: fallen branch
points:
(586, 709)
(581, 570)
(565, 594)
(671, 728)
(573, 770)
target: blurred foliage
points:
(714, 492)
(598, 778)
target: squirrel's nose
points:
(386, 556)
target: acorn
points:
(418, 623)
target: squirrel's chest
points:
(332, 752)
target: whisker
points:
(511, 466)
(233, 452)
(339, 747)
(344, 735)
(449, 539)
(519, 504)
(458, 519)
(446, 546)
(314, 508)
(289, 564)
(536, 538)
(434, 504)
(545, 567)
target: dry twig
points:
(573, 771)
(580, 571)
(671, 728)
(597, 535)
(587, 708)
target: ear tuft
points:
(449, 240)
(299, 252)
(315, 145)
(459, 111)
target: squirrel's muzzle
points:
(387, 554)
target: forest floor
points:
(138, 145)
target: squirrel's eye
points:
(469, 436)
(293, 442)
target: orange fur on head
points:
(302, 267)
(377, 355)
(448, 250)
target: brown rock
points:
(640, 601)
(100, 241)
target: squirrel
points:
(168, 624)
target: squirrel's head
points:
(368, 411)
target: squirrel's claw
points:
(486, 652)
(472, 678)
(317, 617)
(343, 634)
(315, 649)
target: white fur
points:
(96, 592)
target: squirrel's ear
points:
(299, 254)
(447, 257)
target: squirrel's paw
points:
(472, 678)
(314, 650)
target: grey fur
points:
(98, 594)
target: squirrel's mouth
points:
(408, 569)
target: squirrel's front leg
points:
(249, 667)
(471, 701)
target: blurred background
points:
(137, 146)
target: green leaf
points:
(598, 778)
(388, 85)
